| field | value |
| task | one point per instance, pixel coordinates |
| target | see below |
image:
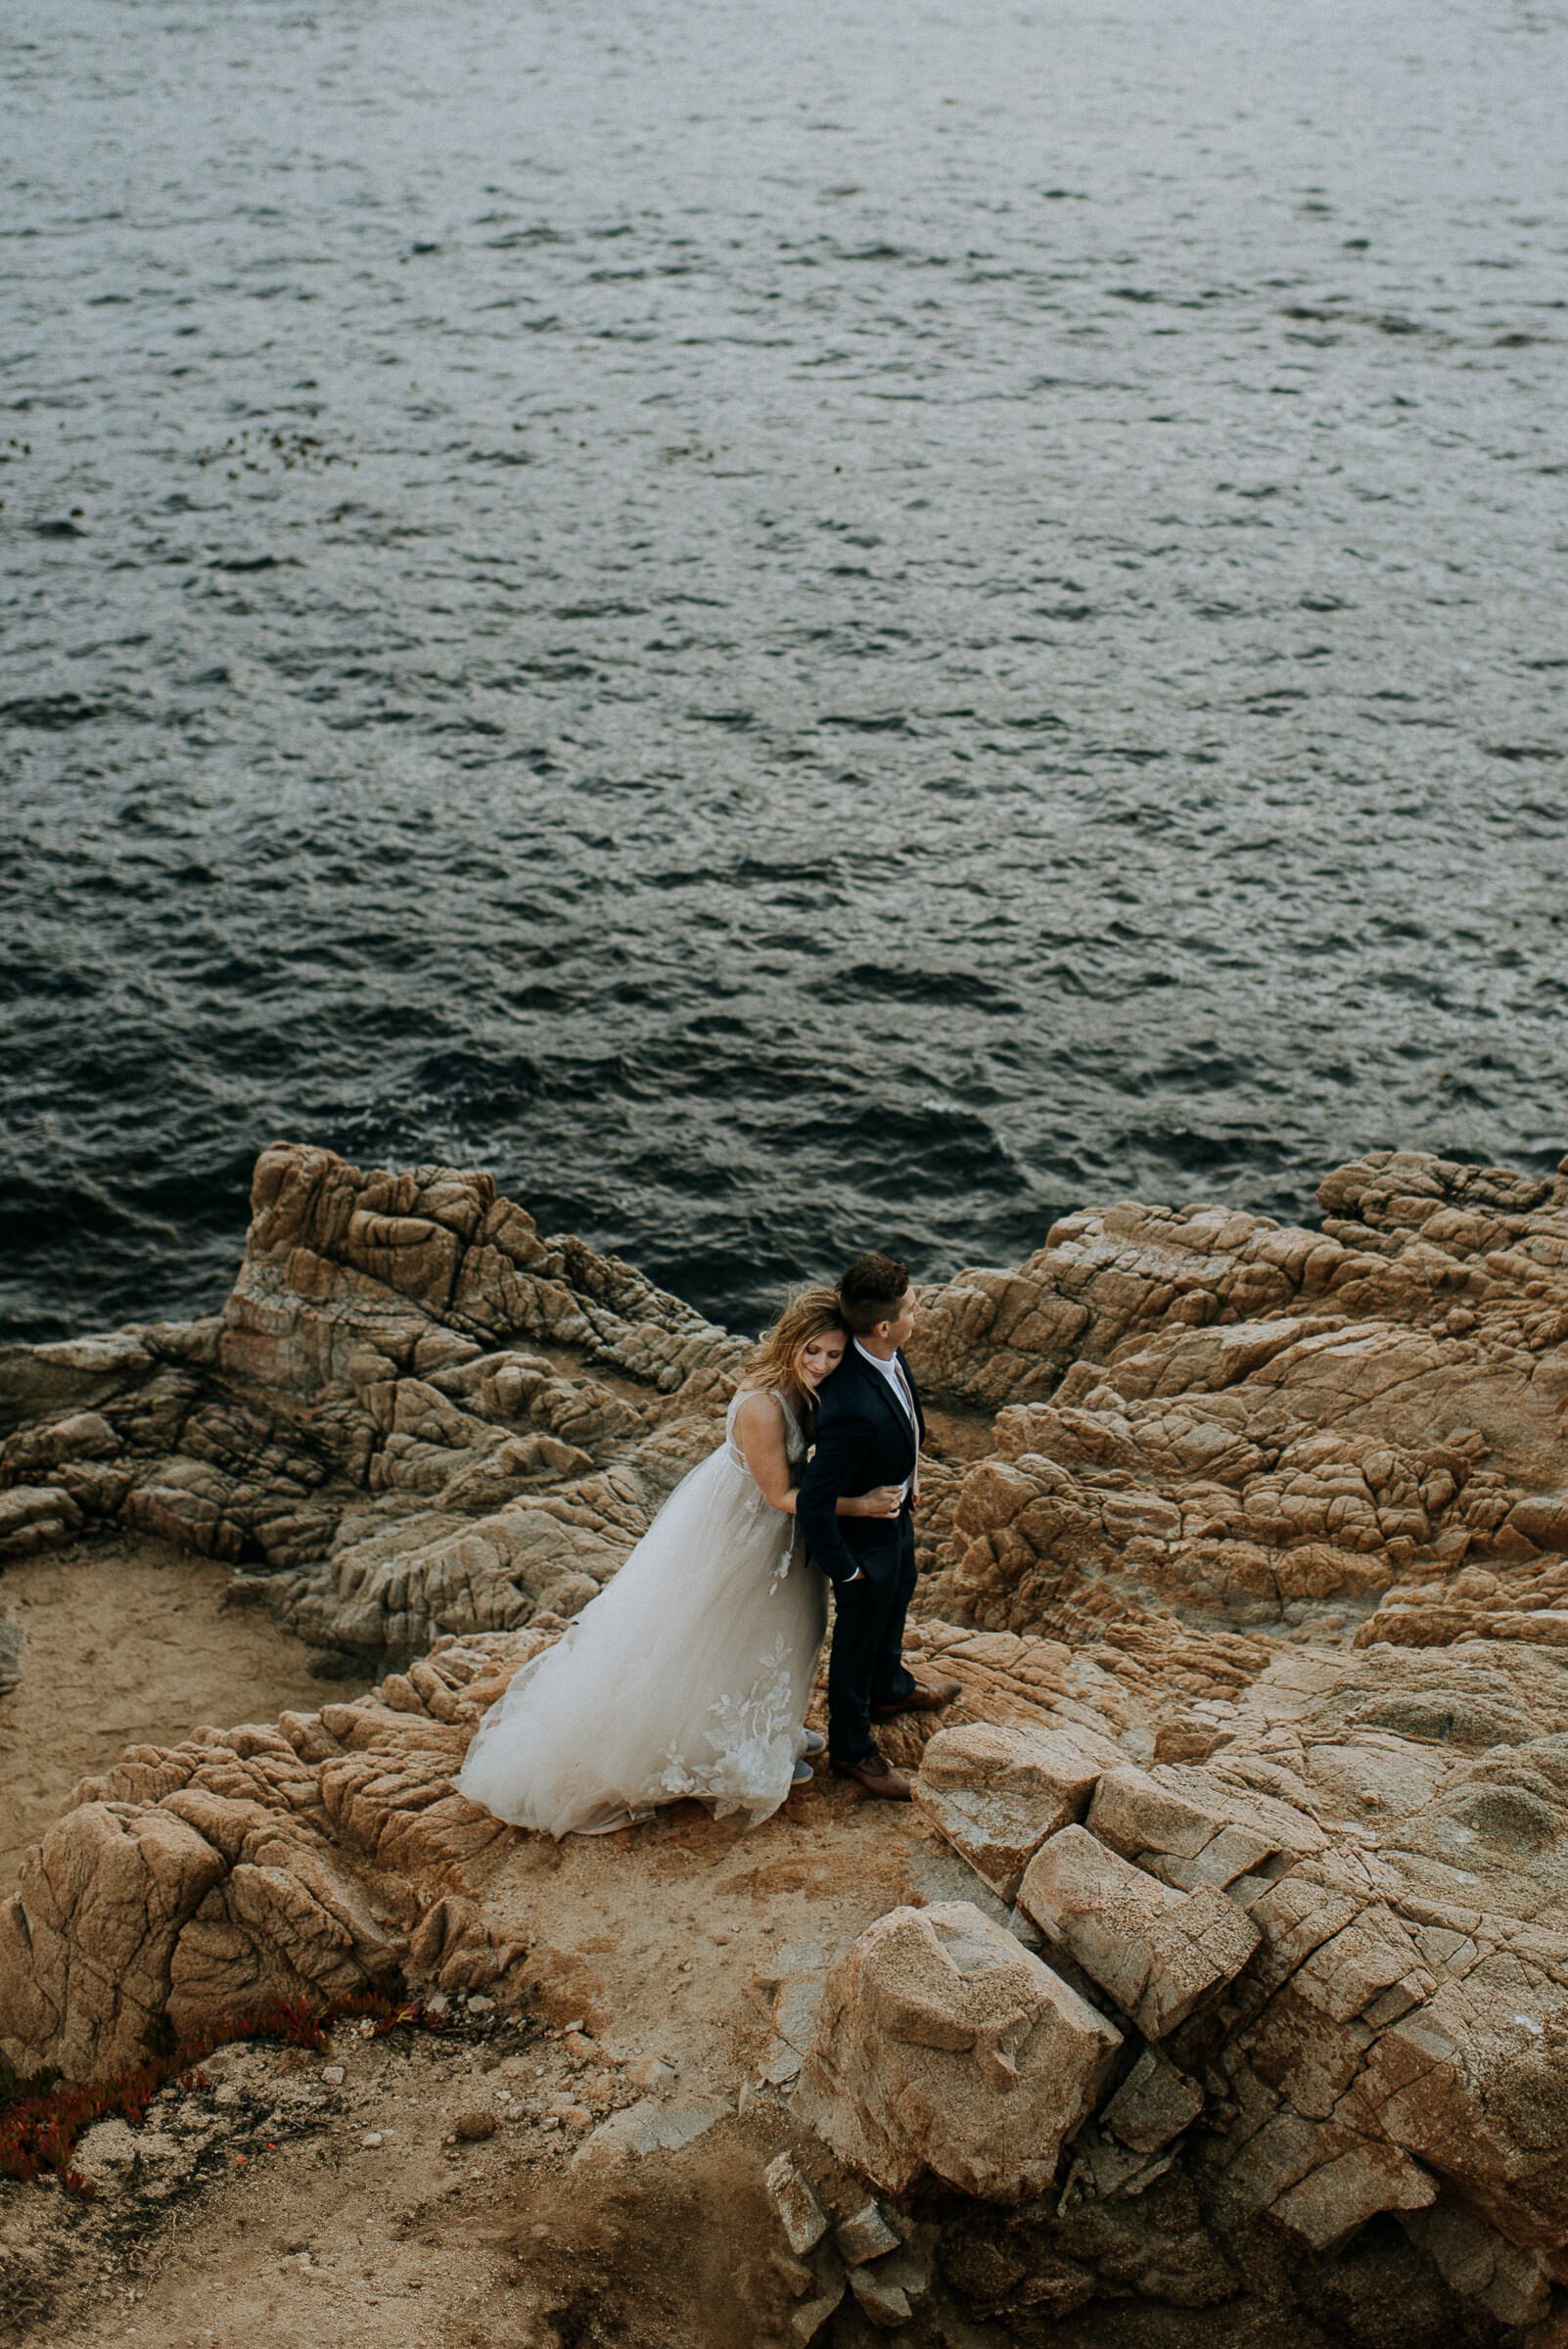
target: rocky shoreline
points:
(1219, 1986)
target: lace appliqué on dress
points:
(776, 1580)
(743, 1734)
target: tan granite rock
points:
(1389, 2046)
(416, 1416)
(1190, 1827)
(1155, 2105)
(996, 1793)
(1158, 1953)
(800, 2214)
(35, 1517)
(1387, 1828)
(205, 1883)
(1484, 2270)
(1248, 1547)
(413, 1418)
(1200, 1413)
(945, 2053)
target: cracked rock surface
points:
(207, 1883)
(1239, 1868)
(413, 1417)
(1206, 1414)
(417, 1416)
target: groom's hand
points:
(884, 1501)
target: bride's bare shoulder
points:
(759, 1407)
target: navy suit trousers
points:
(866, 1666)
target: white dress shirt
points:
(893, 1371)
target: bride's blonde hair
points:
(808, 1316)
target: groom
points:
(870, 1431)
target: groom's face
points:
(898, 1332)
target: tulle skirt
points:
(687, 1676)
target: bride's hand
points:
(885, 1501)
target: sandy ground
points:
(262, 2218)
(634, 2095)
(633, 2100)
(129, 1641)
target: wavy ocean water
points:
(795, 628)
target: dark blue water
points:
(795, 627)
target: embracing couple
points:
(688, 1676)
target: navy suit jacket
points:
(862, 1440)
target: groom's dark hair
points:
(871, 1291)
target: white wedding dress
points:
(687, 1676)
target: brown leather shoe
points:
(926, 1696)
(877, 1775)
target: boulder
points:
(945, 2055)
(800, 2213)
(1190, 1827)
(995, 1793)
(1154, 2105)
(1158, 1953)
(882, 2298)
(369, 1430)
(35, 1517)
(1202, 1412)
(866, 2234)
(1335, 2200)
(1481, 2266)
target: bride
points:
(689, 1674)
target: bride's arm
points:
(760, 1433)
